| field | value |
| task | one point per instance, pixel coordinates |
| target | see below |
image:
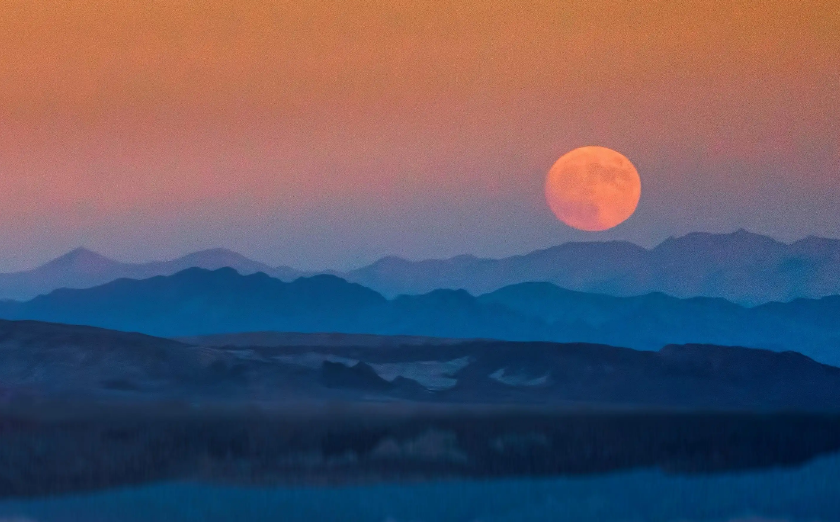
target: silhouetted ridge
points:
(81, 257)
(740, 266)
(82, 268)
(199, 302)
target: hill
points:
(198, 302)
(45, 360)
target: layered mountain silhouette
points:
(83, 268)
(197, 302)
(742, 267)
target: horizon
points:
(314, 271)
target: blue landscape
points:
(405, 261)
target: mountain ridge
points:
(84, 268)
(741, 266)
(198, 302)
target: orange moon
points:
(593, 188)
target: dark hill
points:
(44, 361)
(197, 301)
(200, 302)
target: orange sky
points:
(330, 133)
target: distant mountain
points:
(650, 321)
(49, 360)
(742, 267)
(196, 302)
(82, 268)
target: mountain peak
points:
(386, 263)
(80, 260)
(710, 242)
(214, 258)
(215, 251)
(80, 252)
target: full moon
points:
(593, 188)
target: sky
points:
(328, 134)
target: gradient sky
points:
(327, 134)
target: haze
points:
(329, 135)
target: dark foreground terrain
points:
(60, 450)
(85, 408)
(45, 361)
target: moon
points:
(593, 188)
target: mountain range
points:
(198, 302)
(741, 267)
(83, 268)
